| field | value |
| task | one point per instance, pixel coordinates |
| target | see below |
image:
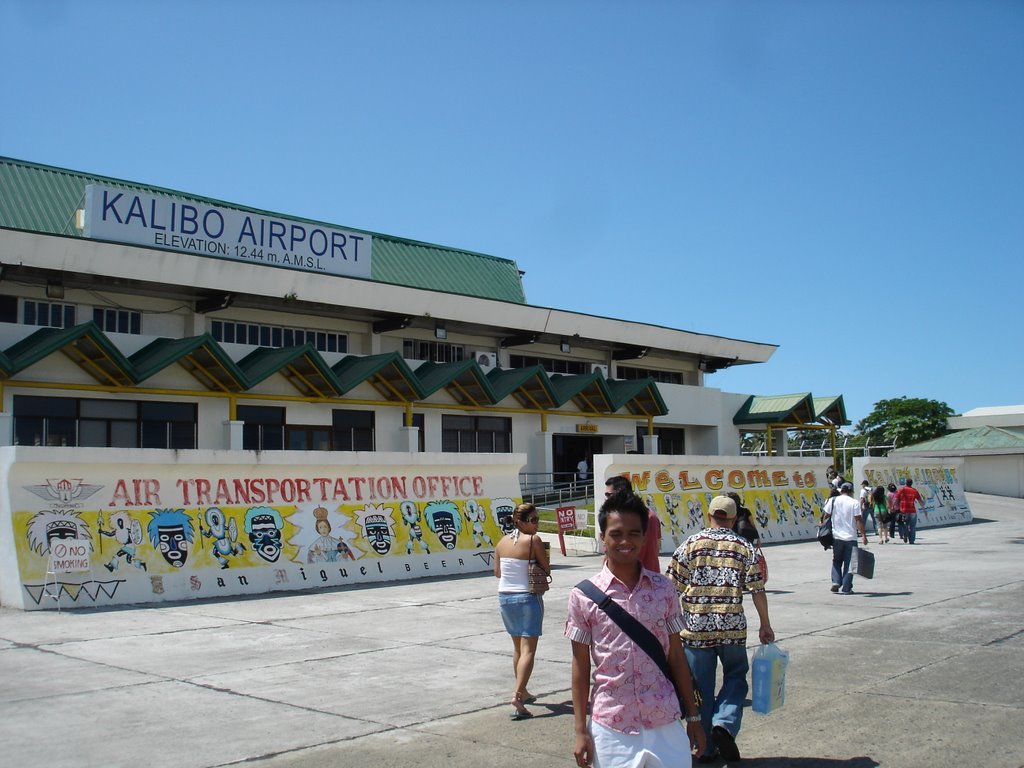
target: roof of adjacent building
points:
(978, 439)
(42, 198)
(996, 410)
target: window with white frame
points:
(259, 335)
(50, 314)
(117, 320)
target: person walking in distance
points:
(847, 526)
(867, 508)
(881, 509)
(908, 497)
(711, 570)
(894, 512)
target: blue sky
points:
(843, 179)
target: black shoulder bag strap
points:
(636, 631)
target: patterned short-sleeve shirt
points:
(712, 569)
(629, 691)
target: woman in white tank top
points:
(521, 610)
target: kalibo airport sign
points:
(158, 221)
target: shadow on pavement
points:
(553, 710)
(883, 594)
(808, 762)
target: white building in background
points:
(990, 441)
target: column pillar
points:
(233, 434)
(410, 439)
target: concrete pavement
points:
(924, 666)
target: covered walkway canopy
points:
(799, 411)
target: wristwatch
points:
(692, 718)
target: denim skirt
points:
(522, 612)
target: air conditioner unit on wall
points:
(599, 368)
(486, 360)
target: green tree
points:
(905, 420)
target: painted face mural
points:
(50, 525)
(215, 522)
(502, 510)
(378, 528)
(444, 520)
(171, 532)
(263, 524)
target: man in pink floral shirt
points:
(634, 707)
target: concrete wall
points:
(178, 525)
(784, 494)
(938, 480)
(997, 475)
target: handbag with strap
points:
(538, 580)
(636, 632)
(764, 564)
(825, 537)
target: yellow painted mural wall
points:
(166, 525)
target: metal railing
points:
(824, 450)
(555, 488)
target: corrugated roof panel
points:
(640, 396)
(589, 391)
(975, 439)
(201, 356)
(85, 344)
(776, 409)
(419, 265)
(831, 408)
(530, 386)
(41, 198)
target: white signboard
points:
(70, 555)
(582, 518)
(158, 221)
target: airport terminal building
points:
(201, 399)
(139, 317)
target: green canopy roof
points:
(800, 408)
(199, 355)
(305, 368)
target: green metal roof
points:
(85, 344)
(530, 386)
(832, 409)
(201, 356)
(640, 396)
(776, 409)
(302, 366)
(41, 198)
(308, 372)
(589, 391)
(465, 381)
(388, 373)
(974, 439)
